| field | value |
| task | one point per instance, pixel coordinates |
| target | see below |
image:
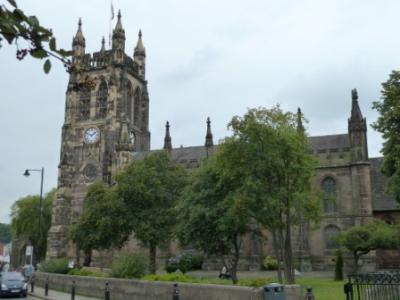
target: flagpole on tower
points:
(111, 18)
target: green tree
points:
(361, 240)
(25, 222)
(29, 36)
(211, 217)
(388, 123)
(5, 233)
(103, 223)
(269, 161)
(150, 188)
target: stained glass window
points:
(84, 104)
(329, 189)
(101, 103)
(330, 234)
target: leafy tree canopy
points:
(388, 123)
(269, 160)
(150, 188)
(103, 223)
(25, 221)
(211, 216)
(5, 233)
(361, 240)
(29, 36)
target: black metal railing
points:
(373, 286)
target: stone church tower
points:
(106, 119)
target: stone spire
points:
(103, 44)
(356, 115)
(139, 56)
(357, 127)
(167, 138)
(140, 50)
(209, 136)
(118, 37)
(78, 42)
(300, 127)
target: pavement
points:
(55, 295)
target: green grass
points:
(323, 289)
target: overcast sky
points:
(204, 58)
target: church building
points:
(107, 124)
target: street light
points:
(27, 174)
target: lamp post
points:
(27, 174)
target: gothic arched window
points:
(136, 109)
(329, 189)
(129, 100)
(84, 104)
(101, 101)
(330, 234)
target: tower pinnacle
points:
(78, 42)
(167, 138)
(118, 37)
(300, 127)
(209, 136)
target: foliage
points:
(57, 265)
(85, 272)
(361, 240)
(129, 265)
(25, 222)
(339, 265)
(184, 263)
(16, 26)
(5, 233)
(269, 167)
(103, 223)
(177, 277)
(211, 219)
(270, 263)
(388, 123)
(150, 189)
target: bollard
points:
(32, 285)
(107, 292)
(73, 290)
(309, 294)
(175, 294)
(46, 287)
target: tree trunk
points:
(88, 258)
(152, 258)
(356, 258)
(234, 265)
(277, 255)
(288, 256)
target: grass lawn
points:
(324, 289)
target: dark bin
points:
(274, 291)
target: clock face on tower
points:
(91, 135)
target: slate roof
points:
(380, 201)
(336, 141)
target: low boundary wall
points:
(124, 289)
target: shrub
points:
(339, 266)
(84, 272)
(169, 277)
(129, 265)
(57, 265)
(270, 263)
(184, 263)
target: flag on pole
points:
(112, 11)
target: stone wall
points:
(122, 289)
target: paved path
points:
(54, 295)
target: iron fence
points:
(373, 286)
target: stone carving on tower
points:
(106, 119)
